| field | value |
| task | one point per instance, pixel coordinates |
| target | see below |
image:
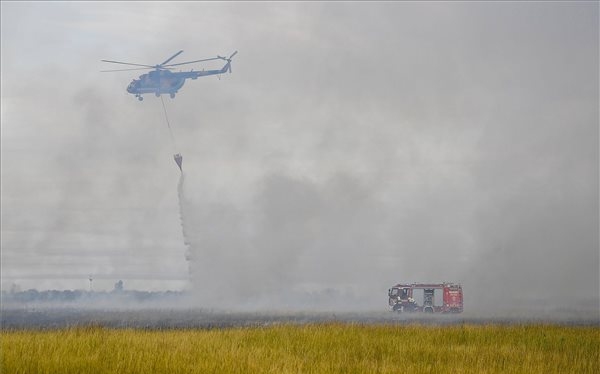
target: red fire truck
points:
(433, 298)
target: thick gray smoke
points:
(295, 244)
(355, 145)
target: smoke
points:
(360, 145)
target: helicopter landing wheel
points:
(172, 95)
(140, 98)
(157, 94)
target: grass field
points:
(317, 348)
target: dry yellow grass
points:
(327, 348)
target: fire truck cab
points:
(402, 298)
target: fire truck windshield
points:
(401, 292)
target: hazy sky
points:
(355, 145)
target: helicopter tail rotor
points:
(228, 59)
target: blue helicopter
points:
(162, 80)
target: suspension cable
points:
(168, 123)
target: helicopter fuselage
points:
(161, 81)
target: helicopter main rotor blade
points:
(127, 63)
(191, 62)
(172, 57)
(107, 71)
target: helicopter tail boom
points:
(226, 68)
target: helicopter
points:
(162, 80)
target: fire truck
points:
(426, 298)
